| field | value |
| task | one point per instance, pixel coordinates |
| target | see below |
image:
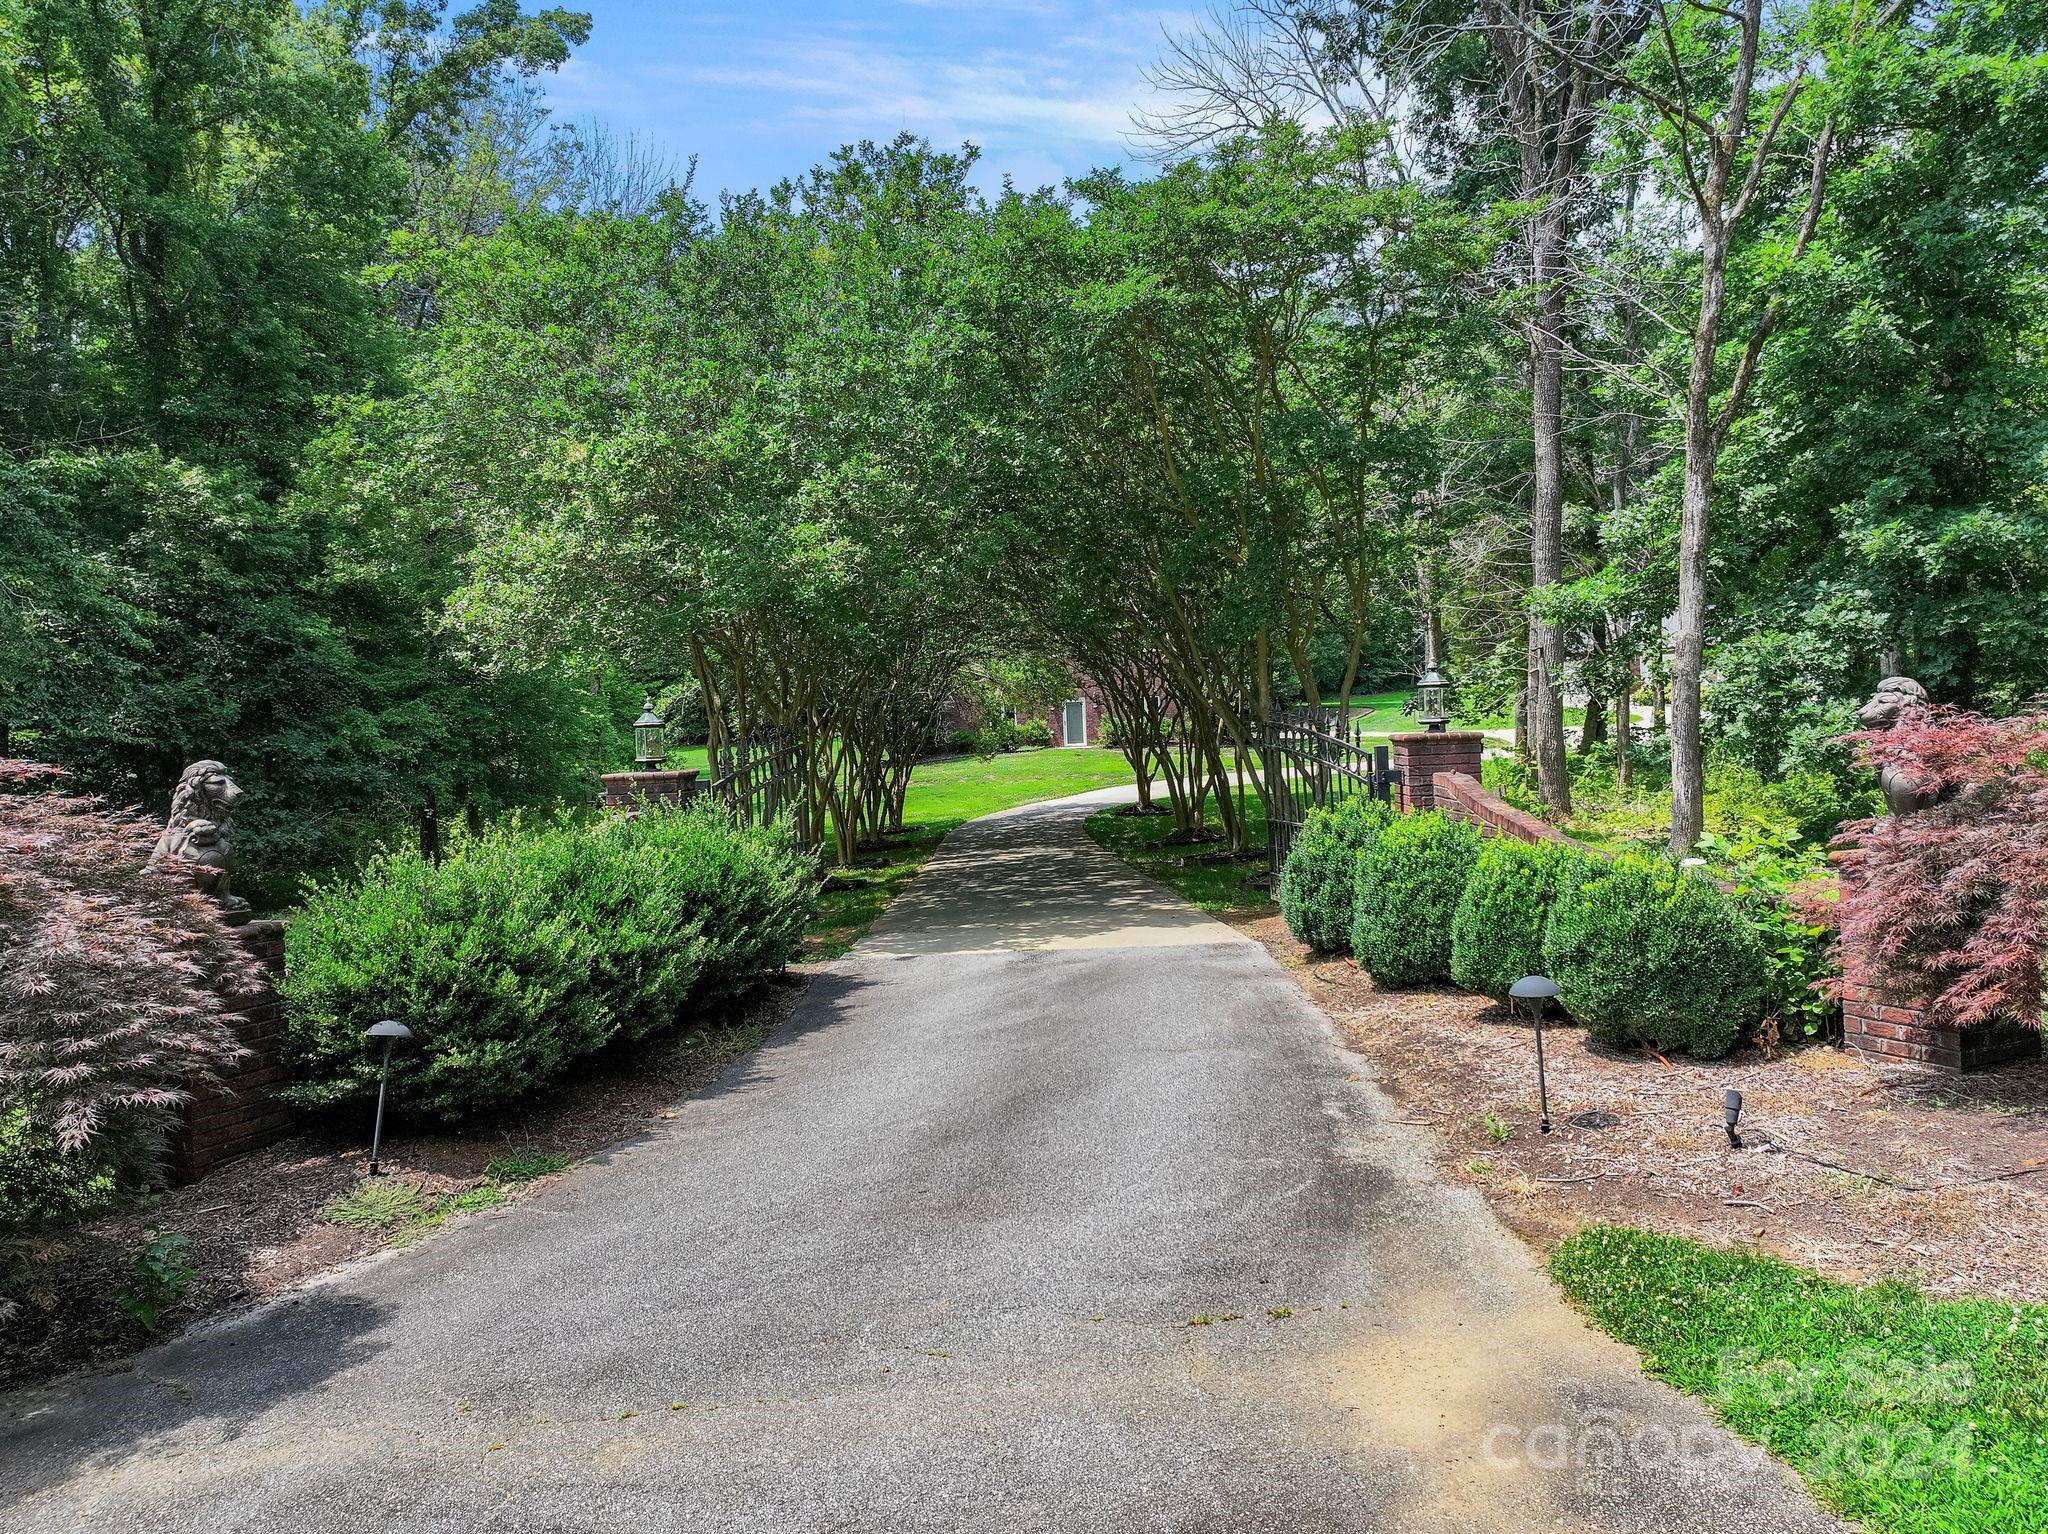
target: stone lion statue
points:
(1904, 791)
(200, 832)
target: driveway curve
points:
(1054, 1207)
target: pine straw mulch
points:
(257, 1225)
(1860, 1171)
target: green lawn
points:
(1380, 714)
(1215, 887)
(942, 795)
(1914, 1415)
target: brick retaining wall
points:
(1880, 1023)
(243, 1112)
(1460, 795)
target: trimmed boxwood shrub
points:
(1644, 951)
(1321, 871)
(1497, 934)
(1410, 878)
(530, 949)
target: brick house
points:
(1076, 721)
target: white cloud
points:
(1046, 88)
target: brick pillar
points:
(243, 1112)
(623, 790)
(1420, 756)
(1877, 1022)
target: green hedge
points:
(1321, 872)
(1497, 934)
(1410, 879)
(39, 1183)
(1646, 952)
(530, 949)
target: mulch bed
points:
(256, 1226)
(1861, 1171)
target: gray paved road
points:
(928, 1262)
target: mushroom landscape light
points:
(1537, 990)
(390, 1032)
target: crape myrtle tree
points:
(1235, 386)
(751, 452)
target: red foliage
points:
(109, 1011)
(1951, 904)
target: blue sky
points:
(1046, 88)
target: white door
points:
(1076, 731)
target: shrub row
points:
(1003, 735)
(530, 949)
(1643, 951)
(1321, 872)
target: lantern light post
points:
(650, 734)
(390, 1032)
(1537, 990)
(1433, 695)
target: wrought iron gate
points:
(1314, 758)
(764, 783)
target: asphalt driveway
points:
(1054, 1206)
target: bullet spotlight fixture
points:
(1731, 1112)
(1537, 990)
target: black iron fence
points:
(1314, 758)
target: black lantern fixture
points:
(1433, 699)
(650, 735)
(1537, 991)
(391, 1033)
(1731, 1115)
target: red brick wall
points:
(243, 1112)
(624, 789)
(1880, 1023)
(1420, 755)
(1460, 795)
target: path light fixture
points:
(390, 1032)
(650, 739)
(1731, 1114)
(1537, 991)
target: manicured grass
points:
(1914, 1415)
(1381, 714)
(1212, 886)
(945, 794)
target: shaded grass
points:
(1231, 888)
(1914, 1415)
(403, 1212)
(942, 795)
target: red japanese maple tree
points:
(111, 972)
(1950, 904)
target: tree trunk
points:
(1689, 628)
(1594, 731)
(1624, 730)
(1546, 529)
